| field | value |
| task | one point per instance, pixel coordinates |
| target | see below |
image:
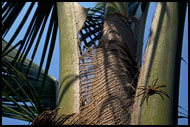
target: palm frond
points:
(92, 29)
(36, 25)
(19, 94)
(52, 118)
(18, 89)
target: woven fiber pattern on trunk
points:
(106, 75)
(106, 93)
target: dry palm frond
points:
(51, 118)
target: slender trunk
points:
(162, 61)
(71, 18)
(68, 95)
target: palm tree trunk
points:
(117, 67)
(114, 70)
(71, 17)
(68, 95)
(162, 61)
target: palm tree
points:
(111, 67)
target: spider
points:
(151, 90)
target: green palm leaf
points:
(18, 90)
(10, 94)
(24, 46)
(41, 14)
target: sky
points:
(54, 67)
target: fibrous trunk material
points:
(107, 76)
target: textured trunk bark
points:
(114, 68)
